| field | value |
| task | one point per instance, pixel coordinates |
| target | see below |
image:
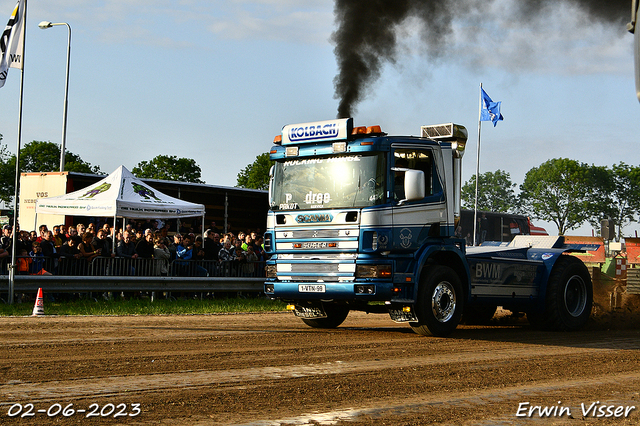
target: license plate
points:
(311, 288)
(398, 315)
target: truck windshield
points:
(339, 181)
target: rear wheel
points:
(440, 302)
(569, 297)
(336, 314)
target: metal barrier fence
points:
(120, 266)
(122, 274)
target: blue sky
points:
(216, 81)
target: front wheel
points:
(440, 302)
(336, 314)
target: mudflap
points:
(309, 311)
(398, 314)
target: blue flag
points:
(490, 110)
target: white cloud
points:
(175, 24)
(251, 21)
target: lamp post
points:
(44, 25)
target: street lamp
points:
(44, 25)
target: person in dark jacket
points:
(212, 245)
(144, 247)
(127, 250)
(48, 245)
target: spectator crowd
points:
(142, 248)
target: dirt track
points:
(270, 369)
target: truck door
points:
(413, 220)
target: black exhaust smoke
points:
(367, 31)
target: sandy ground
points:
(271, 369)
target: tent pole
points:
(226, 211)
(113, 234)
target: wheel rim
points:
(575, 296)
(443, 301)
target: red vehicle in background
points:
(536, 230)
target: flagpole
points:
(475, 207)
(14, 261)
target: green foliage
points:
(256, 175)
(37, 156)
(495, 192)
(564, 192)
(169, 167)
(7, 174)
(620, 196)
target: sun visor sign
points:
(319, 131)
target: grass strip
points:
(144, 306)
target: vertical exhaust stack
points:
(632, 27)
(457, 135)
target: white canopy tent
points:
(120, 194)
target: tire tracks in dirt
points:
(272, 370)
(141, 383)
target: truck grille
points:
(316, 271)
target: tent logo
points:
(145, 192)
(97, 190)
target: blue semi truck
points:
(360, 220)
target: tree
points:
(620, 196)
(37, 156)
(7, 175)
(169, 168)
(563, 191)
(256, 175)
(495, 192)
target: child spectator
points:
(37, 260)
(24, 262)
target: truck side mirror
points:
(271, 174)
(413, 186)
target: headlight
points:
(373, 271)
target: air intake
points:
(445, 132)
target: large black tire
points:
(478, 314)
(569, 297)
(440, 302)
(336, 314)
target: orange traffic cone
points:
(38, 308)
